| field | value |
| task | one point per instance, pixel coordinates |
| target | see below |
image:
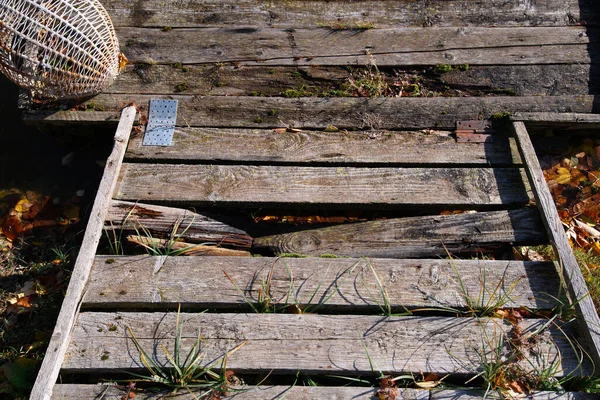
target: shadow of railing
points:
(590, 17)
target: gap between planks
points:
(57, 347)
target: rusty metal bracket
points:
(475, 131)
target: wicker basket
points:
(58, 49)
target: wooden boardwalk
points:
(376, 240)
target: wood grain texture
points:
(384, 47)
(430, 236)
(312, 343)
(246, 185)
(190, 13)
(344, 113)
(214, 145)
(161, 221)
(81, 271)
(557, 121)
(348, 285)
(327, 81)
(574, 280)
(93, 392)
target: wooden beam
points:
(188, 13)
(344, 113)
(382, 47)
(587, 315)
(215, 145)
(349, 285)
(81, 271)
(316, 344)
(161, 221)
(572, 122)
(115, 392)
(327, 81)
(255, 186)
(430, 236)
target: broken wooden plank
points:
(325, 81)
(252, 186)
(188, 13)
(81, 271)
(344, 113)
(383, 47)
(116, 392)
(574, 280)
(160, 220)
(293, 146)
(419, 237)
(179, 248)
(323, 284)
(316, 344)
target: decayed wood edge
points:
(343, 284)
(309, 186)
(81, 271)
(114, 392)
(354, 13)
(344, 113)
(193, 227)
(184, 248)
(574, 280)
(428, 236)
(341, 147)
(318, 344)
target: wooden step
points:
(260, 186)
(156, 13)
(323, 284)
(115, 392)
(213, 145)
(384, 47)
(319, 113)
(327, 81)
(317, 344)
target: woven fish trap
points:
(58, 49)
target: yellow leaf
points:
(331, 128)
(564, 176)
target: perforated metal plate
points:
(162, 115)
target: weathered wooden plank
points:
(345, 113)
(60, 117)
(191, 13)
(114, 392)
(192, 227)
(180, 248)
(230, 80)
(363, 147)
(429, 236)
(384, 47)
(246, 185)
(81, 271)
(574, 280)
(559, 121)
(340, 284)
(315, 344)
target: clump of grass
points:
(268, 302)
(189, 373)
(443, 68)
(166, 247)
(381, 296)
(344, 26)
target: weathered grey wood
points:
(282, 185)
(362, 113)
(72, 117)
(384, 47)
(559, 121)
(192, 13)
(81, 271)
(346, 284)
(312, 343)
(112, 392)
(367, 147)
(160, 220)
(230, 80)
(587, 315)
(428, 236)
